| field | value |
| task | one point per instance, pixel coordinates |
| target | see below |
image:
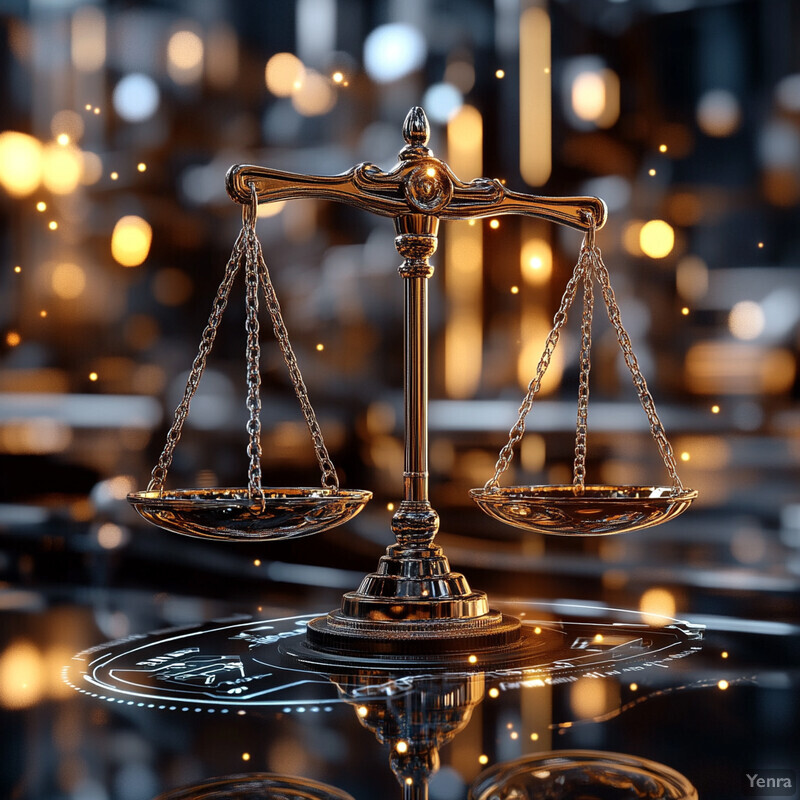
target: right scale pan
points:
(579, 509)
(592, 511)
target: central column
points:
(415, 523)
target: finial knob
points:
(416, 128)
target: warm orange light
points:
(68, 281)
(715, 409)
(185, 57)
(499, 73)
(20, 163)
(320, 347)
(284, 74)
(141, 166)
(482, 759)
(62, 166)
(93, 376)
(535, 114)
(494, 692)
(314, 95)
(130, 240)
(723, 684)
(657, 238)
(22, 678)
(13, 338)
(657, 606)
(401, 747)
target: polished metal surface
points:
(256, 786)
(581, 775)
(591, 511)
(231, 514)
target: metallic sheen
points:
(591, 511)
(231, 514)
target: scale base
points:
(413, 605)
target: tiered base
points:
(413, 605)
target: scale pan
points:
(231, 515)
(595, 511)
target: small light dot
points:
(547, 70)
(724, 654)
(241, 713)
(483, 759)
(500, 73)
(651, 172)
(13, 338)
(88, 106)
(18, 270)
(685, 456)
(43, 313)
(245, 756)
(96, 110)
(537, 629)
(723, 685)
(320, 347)
(514, 735)
(662, 148)
(515, 290)
(633, 687)
(114, 176)
(473, 659)
(63, 139)
(534, 737)
(430, 172)
(390, 506)
(53, 225)
(761, 245)
(345, 83)
(494, 224)
(715, 409)
(257, 562)
(401, 747)
(598, 637)
(409, 781)
(685, 311)
(337, 77)
(141, 166)
(41, 206)
(494, 692)
(93, 376)
(259, 608)
(362, 711)
(471, 223)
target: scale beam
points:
(418, 184)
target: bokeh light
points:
(136, 97)
(284, 74)
(62, 167)
(68, 280)
(20, 163)
(746, 320)
(393, 51)
(130, 240)
(657, 238)
(718, 113)
(185, 57)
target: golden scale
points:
(413, 608)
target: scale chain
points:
(159, 474)
(645, 398)
(253, 353)
(579, 467)
(518, 430)
(329, 478)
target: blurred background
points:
(118, 121)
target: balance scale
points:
(413, 609)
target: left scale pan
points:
(253, 513)
(230, 514)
